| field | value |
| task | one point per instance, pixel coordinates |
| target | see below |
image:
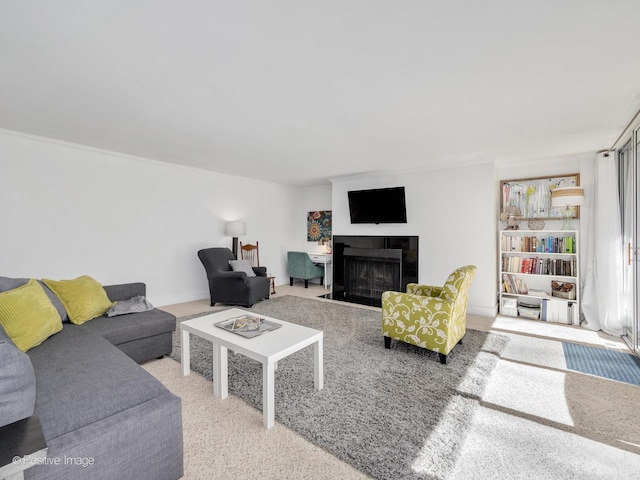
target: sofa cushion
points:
(135, 326)
(82, 379)
(17, 382)
(83, 297)
(242, 266)
(8, 283)
(28, 316)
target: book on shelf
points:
(559, 311)
(574, 313)
(540, 266)
(568, 245)
(550, 244)
(513, 284)
(563, 312)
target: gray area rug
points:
(392, 414)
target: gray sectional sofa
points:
(95, 402)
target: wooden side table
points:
(22, 446)
(272, 279)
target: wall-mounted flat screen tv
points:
(380, 205)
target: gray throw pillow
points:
(134, 305)
(242, 266)
(8, 283)
(17, 382)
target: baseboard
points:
(174, 299)
(483, 311)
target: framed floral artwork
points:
(319, 226)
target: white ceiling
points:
(298, 91)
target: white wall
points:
(69, 210)
(454, 213)
(312, 199)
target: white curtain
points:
(602, 297)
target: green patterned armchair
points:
(428, 316)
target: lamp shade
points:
(567, 196)
(235, 228)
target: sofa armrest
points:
(424, 290)
(260, 271)
(17, 383)
(230, 276)
(125, 291)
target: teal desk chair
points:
(300, 266)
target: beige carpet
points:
(536, 416)
(225, 439)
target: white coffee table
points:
(267, 348)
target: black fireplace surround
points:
(366, 266)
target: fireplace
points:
(366, 266)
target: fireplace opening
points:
(370, 271)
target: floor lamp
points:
(235, 229)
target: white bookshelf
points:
(529, 262)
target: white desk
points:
(267, 348)
(326, 260)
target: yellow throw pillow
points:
(28, 316)
(83, 298)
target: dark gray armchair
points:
(227, 286)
